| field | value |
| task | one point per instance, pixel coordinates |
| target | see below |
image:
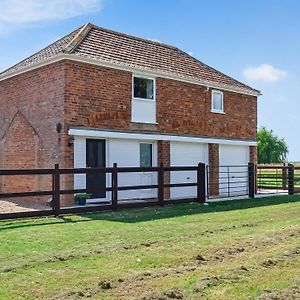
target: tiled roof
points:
(121, 49)
(44, 54)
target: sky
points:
(254, 41)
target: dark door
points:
(95, 158)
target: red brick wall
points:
(101, 97)
(163, 153)
(20, 139)
(213, 162)
(31, 107)
(184, 108)
(253, 154)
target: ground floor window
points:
(146, 155)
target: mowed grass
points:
(242, 249)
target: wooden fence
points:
(283, 178)
(114, 204)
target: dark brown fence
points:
(56, 190)
(281, 179)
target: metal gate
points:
(226, 181)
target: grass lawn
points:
(242, 249)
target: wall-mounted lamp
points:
(71, 141)
(58, 127)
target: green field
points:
(273, 178)
(242, 249)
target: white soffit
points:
(94, 133)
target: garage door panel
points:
(186, 154)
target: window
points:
(143, 109)
(143, 88)
(145, 155)
(217, 102)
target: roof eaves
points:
(245, 86)
(170, 75)
(6, 75)
(130, 68)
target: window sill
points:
(143, 99)
(140, 122)
(218, 112)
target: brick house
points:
(96, 97)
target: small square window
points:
(217, 102)
(143, 88)
(145, 155)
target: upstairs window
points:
(217, 102)
(143, 88)
(143, 100)
(145, 155)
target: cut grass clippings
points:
(227, 250)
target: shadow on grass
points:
(153, 213)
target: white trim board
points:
(123, 67)
(91, 133)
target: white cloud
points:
(22, 12)
(264, 72)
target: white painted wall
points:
(126, 154)
(237, 158)
(186, 154)
(143, 111)
(79, 161)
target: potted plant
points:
(80, 199)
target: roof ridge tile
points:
(78, 38)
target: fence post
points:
(161, 184)
(291, 186)
(114, 185)
(201, 182)
(251, 180)
(284, 177)
(56, 187)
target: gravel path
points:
(10, 206)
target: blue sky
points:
(254, 41)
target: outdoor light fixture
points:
(71, 141)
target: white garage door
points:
(186, 154)
(233, 170)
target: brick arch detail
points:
(19, 150)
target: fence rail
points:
(114, 188)
(280, 179)
(211, 182)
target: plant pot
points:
(81, 201)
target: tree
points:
(271, 149)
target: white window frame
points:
(152, 149)
(144, 77)
(218, 111)
(143, 100)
